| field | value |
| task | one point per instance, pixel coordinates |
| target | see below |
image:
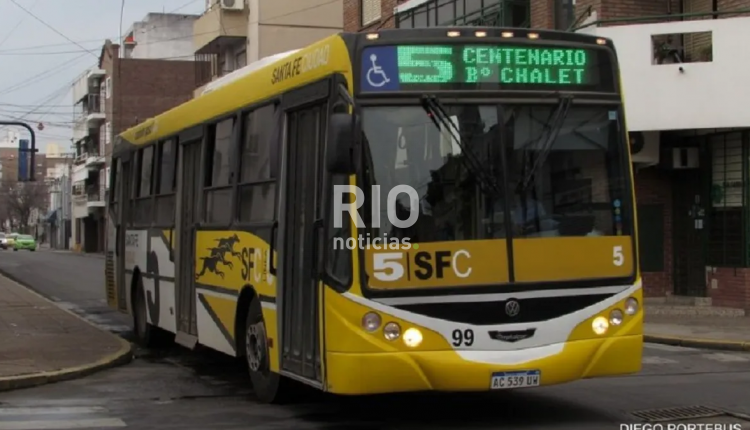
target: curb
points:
(689, 342)
(122, 356)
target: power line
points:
(184, 6)
(18, 24)
(35, 78)
(51, 27)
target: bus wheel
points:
(146, 334)
(270, 387)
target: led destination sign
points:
(533, 67)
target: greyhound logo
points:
(218, 255)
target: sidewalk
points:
(713, 332)
(41, 343)
(47, 248)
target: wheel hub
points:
(255, 346)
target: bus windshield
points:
(573, 184)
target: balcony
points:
(95, 199)
(89, 112)
(90, 154)
(682, 75)
(88, 83)
(218, 29)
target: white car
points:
(3, 241)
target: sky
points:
(39, 63)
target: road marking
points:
(657, 360)
(53, 410)
(726, 358)
(62, 424)
(670, 348)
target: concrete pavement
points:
(42, 343)
(703, 332)
(74, 282)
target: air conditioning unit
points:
(644, 147)
(232, 4)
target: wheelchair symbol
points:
(376, 70)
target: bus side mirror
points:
(340, 143)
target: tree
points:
(21, 200)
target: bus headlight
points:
(391, 331)
(615, 317)
(412, 337)
(600, 325)
(371, 321)
(631, 306)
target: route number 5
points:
(617, 258)
(387, 267)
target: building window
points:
(728, 210)
(108, 88)
(564, 14)
(370, 11)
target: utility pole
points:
(32, 148)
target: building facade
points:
(233, 33)
(58, 213)
(118, 94)
(165, 36)
(680, 68)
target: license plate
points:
(506, 380)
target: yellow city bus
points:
(404, 210)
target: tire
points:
(146, 334)
(15, 249)
(269, 387)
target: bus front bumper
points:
(391, 372)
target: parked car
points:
(10, 239)
(24, 241)
(3, 241)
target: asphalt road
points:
(204, 390)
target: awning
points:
(52, 216)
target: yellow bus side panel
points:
(366, 363)
(226, 262)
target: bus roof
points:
(259, 81)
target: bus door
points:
(186, 222)
(300, 227)
(124, 181)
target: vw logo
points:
(512, 308)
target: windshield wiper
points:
(554, 126)
(439, 116)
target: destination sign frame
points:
(510, 66)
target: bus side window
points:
(218, 180)
(164, 186)
(143, 203)
(257, 186)
(114, 186)
(134, 184)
